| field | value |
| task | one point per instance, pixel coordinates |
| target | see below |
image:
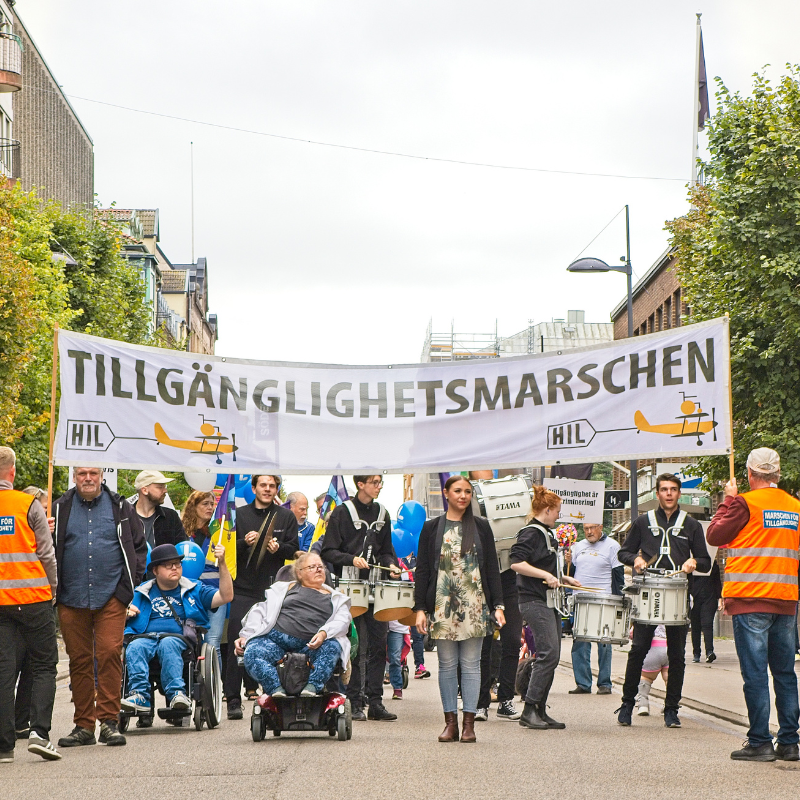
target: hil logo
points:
(83, 434)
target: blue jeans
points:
(582, 664)
(394, 648)
(418, 646)
(768, 640)
(215, 628)
(263, 653)
(467, 655)
(139, 654)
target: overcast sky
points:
(324, 254)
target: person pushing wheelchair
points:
(161, 607)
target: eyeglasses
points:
(172, 564)
(376, 483)
(314, 568)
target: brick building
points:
(53, 150)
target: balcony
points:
(9, 159)
(10, 62)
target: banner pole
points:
(53, 385)
(730, 398)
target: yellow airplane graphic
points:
(210, 441)
(692, 422)
(579, 515)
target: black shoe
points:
(625, 714)
(110, 735)
(551, 723)
(671, 718)
(603, 690)
(696, 659)
(235, 711)
(580, 690)
(144, 722)
(787, 752)
(378, 712)
(532, 718)
(711, 658)
(358, 715)
(78, 738)
(764, 752)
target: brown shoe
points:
(468, 728)
(450, 732)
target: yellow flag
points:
(226, 536)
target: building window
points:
(676, 302)
(668, 312)
(660, 318)
(652, 321)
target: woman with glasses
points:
(457, 595)
(302, 616)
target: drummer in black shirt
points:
(678, 543)
(346, 547)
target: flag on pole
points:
(223, 526)
(703, 110)
(335, 496)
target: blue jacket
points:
(190, 597)
(304, 535)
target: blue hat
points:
(164, 553)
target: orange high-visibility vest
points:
(763, 559)
(22, 576)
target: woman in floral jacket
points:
(457, 592)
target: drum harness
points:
(665, 548)
(370, 527)
(556, 598)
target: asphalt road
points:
(592, 758)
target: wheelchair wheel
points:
(258, 727)
(341, 728)
(124, 721)
(404, 670)
(348, 715)
(211, 686)
(198, 717)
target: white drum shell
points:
(393, 600)
(661, 601)
(506, 503)
(358, 592)
(600, 617)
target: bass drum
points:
(506, 503)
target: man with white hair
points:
(761, 531)
(298, 505)
(27, 584)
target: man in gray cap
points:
(161, 525)
(761, 530)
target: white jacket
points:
(261, 618)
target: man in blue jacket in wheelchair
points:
(162, 606)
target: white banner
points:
(665, 394)
(581, 501)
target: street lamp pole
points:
(596, 265)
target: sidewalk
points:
(714, 689)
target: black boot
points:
(532, 717)
(551, 723)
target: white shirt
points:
(594, 562)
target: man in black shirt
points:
(266, 536)
(161, 525)
(675, 542)
(352, 548)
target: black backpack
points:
(294, 670)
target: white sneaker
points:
(481, 715)
(42, 747)
(180, 702)
(643, 710)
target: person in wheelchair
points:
(161, 607)
(300, 616)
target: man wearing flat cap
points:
(761, 531)
(161, 525)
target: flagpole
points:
(53, 385)
(695, 103)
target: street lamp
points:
(597, 265)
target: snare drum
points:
(658, 600)
(601, 617)
(358, 592)
(393, 600)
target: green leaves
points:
(739, 252)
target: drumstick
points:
(577, 588)
(395, 569)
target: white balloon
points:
(200, 480)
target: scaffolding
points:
(453, 346)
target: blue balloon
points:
(244, 489)
(403, 542)
(411, 516)
(149, 550)
(194, 561)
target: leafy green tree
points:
(739, 252)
